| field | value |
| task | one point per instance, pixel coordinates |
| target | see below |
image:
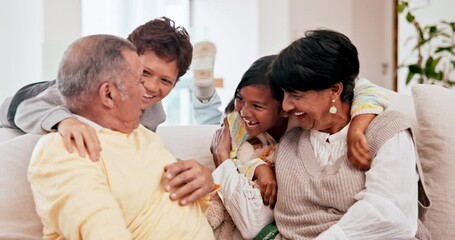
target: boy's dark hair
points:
(257, 75)
(166, 40)
(316, 62)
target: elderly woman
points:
(321, 195)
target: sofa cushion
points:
(19, 219)
(404, 104)
(7, 134)
(434, 110)
(189, 142)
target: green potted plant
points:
(433, 55)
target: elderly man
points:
(124, 195)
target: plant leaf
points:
(413, 69)
(409, 77)
(422, 38)
(432, 29)
(428, 70)
(401, 6)
(435, 62)
(409, 17)
(441, 49)
(439, 75)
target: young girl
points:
(253, 126)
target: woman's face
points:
(310, 107)
(257, 108)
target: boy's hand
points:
(358, 152)
(266, 181)
(83, 136)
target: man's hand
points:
(83, 136)
(221, 144)
(266, 181)
(358, 152)
(188, 180)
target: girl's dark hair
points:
(317, 61)
(167, 41)
(257, 75)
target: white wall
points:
(308, 14)
(368, 23)
(21, 41)
(372, 33)
(33, 38)
(62, 26)
(34, 35)
(246, 30)
(233, 26)
(274, 26)
(429, 12)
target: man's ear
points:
(106, 93)
(336, 90)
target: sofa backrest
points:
(18, 218)
(189, 142)
(404, 104)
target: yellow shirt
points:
(121, 196)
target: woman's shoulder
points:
(387, 120)
(292, 135)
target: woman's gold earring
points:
(333, 109)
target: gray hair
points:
(87, 63)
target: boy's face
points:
(159, 77)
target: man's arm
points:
(71, 194)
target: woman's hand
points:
(82, 136)
(221, 144)
(266, 181)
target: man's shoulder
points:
(51, 138)
(50, 142)
(144, 132)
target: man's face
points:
(128, 110)
(159, 78)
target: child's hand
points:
(266, 182)
(358, 150)
(82, 136)
(221, 144)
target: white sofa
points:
(433, 117)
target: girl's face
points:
(258, 109)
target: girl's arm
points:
(369, 100)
